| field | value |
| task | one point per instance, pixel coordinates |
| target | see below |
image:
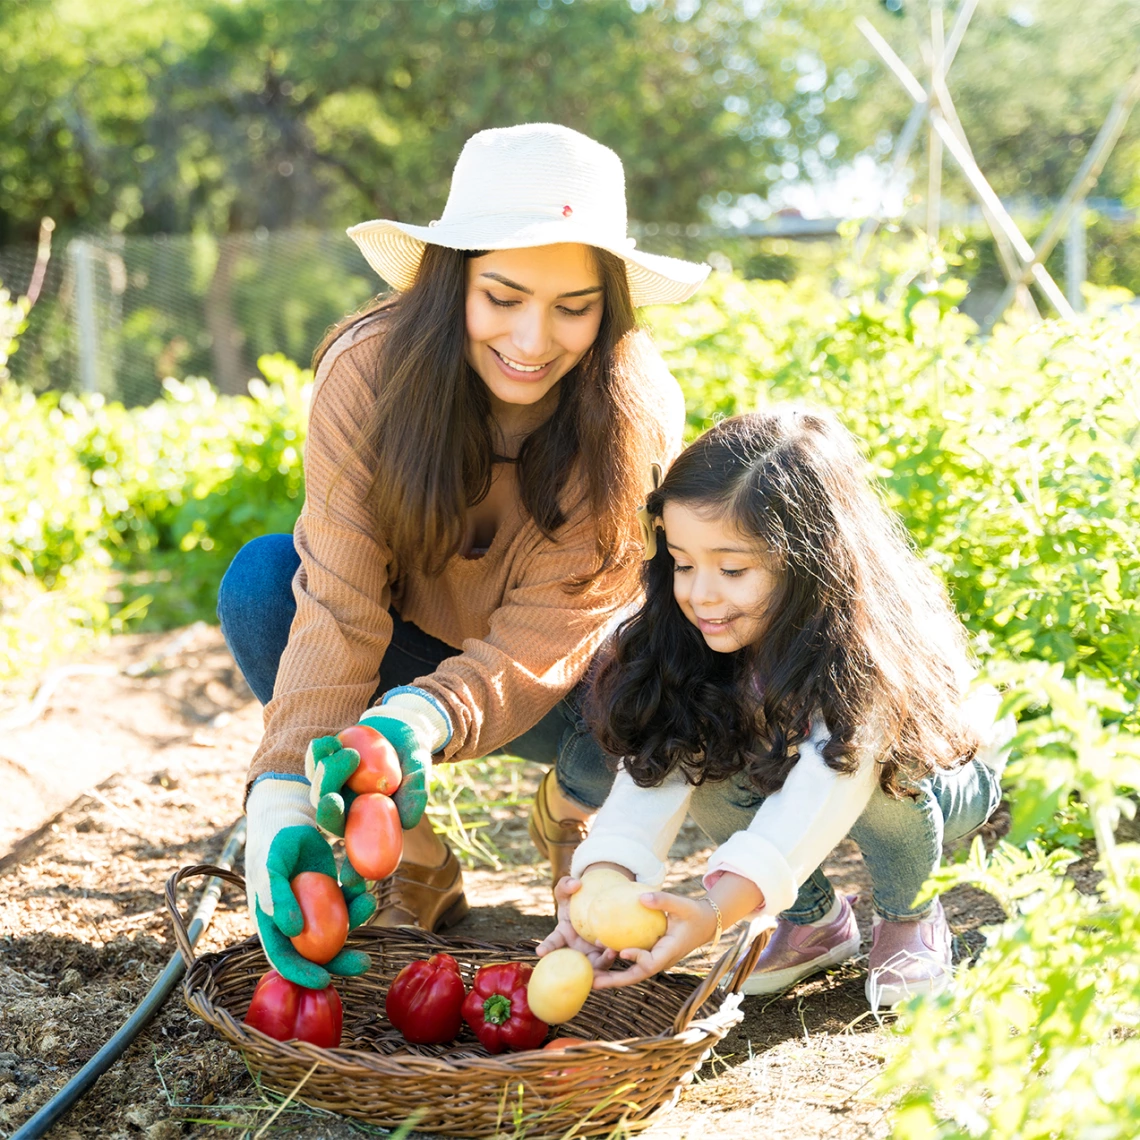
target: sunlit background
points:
(200, 159)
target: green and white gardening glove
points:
(281, 842)
(415, 724)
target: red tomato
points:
(373, 837)
(286, 1011)
(325, 914)
(379, 769)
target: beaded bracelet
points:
(719, 920)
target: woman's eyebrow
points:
(530, 292)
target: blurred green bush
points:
(110, 516)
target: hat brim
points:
(394, 250)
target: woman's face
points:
(721, 580)
(531, 316)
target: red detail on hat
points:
(567, 211)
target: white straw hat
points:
(534, 184)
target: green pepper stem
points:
(497, 1009)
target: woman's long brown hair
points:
(430, 438)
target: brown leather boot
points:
(555, 839)
(431, 898)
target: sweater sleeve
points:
(636, 826)
(331, 664)
(794, 830)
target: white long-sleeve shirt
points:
(791, 833)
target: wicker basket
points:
(651, 1039)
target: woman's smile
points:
(516, 370)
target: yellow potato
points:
(620, 921)
(559, 986)
(592, 882)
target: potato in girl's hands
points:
(612, 912)
(593, 881)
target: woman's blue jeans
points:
(901, 840)
(256, 609)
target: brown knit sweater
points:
(522, 642)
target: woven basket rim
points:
(714, 1024)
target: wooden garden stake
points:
(1083, 181)
(969, 168)
(914, 121)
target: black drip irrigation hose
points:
(77, 1087)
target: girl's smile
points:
(721, 581)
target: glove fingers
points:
(351, 880)
(334, 770)
(286, 916)
(411, 799)
(323, 747)
(360, 910)
(331, 812)
(350, 963)
(285, 959)
(314, 853)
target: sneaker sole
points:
(773, 981)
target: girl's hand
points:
(564, 933)
(692, 923)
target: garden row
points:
(1015, 462)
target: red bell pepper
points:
(424, 1000)
(497, 1010)
(284, 1010)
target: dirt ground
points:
(141, 767)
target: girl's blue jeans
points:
(901, 840)
(256, 608)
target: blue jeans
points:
(256, 608)
(901, 840)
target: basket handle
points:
(741, 957)
(181, 934)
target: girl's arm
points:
(795, 829)
(635, 828)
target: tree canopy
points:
(225, 115)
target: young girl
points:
(795, 675)
(478, 445)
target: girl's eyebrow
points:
(714, 549)
(530, 292)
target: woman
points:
(478, 447)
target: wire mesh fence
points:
(116, 315)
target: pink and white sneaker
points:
(794, 952)
(908, 958)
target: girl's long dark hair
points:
(430, 439)
(858, 630)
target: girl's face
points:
(720, 579)
(531, 316)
